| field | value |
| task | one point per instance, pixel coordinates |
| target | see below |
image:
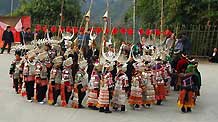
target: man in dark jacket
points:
(8, 39)
(28, 37)
(92, 53)
(22, 33)
(186, 44)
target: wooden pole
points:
(211, 44)
(207, 40)
(216, 45)
(61, 14)
(199, 35)
(134, 20)
(161, 20)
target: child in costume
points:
(94, 86)
(55, 81)
(148, 93)
(29, 75)
(186, 100)
(80, 86)
(16, 71)
(66, 82)
(120, 90)
(106, 85)
(158, 82)
(135, 99)
(41, 77)
(167, 71)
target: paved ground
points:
(14, 108)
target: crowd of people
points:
(26, 37)
(138, 75)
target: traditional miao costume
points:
(66, 82)
(180, 68)
(16, 70)
(80, 86)
(196, 77)
(148, 92)
(136, 90)
(29, 75)
(94, 86)
(186, 99)
(167, 76)
(55, 81)
(119, 95)
(158, 81)
(106, 84)
(55, 51)
(23, 90)
(41, 77)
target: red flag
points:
(98, 30)
(82, 30)
(53, 29)
(167, 32)
(44, 28)
(141, 31)
(93, 30)
(16, 35)
(62, 29)
(75, 29)
(26, 21)
(130, 31)
(123, 31)
(68, 29)
(148, 32)
(157, 32)
(18, 26)
(114, 31)
(107, 31)
(38, 27)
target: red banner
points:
(26, 21)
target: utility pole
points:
(161, 21)
(134, 20)
(61, 15)
(12, 6)
(209, 9)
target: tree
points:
(175, 12)
(48, 11)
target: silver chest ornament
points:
(159, 78)
(58, 76)
(29, 68)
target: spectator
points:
(38, 34)
(80, 38)
(48, 34)
(179, 44)
(28, 37)
(169, 41)
(186, 44)
(8, 39)
(22, 33)
(214, 56)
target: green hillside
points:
(118, 9)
